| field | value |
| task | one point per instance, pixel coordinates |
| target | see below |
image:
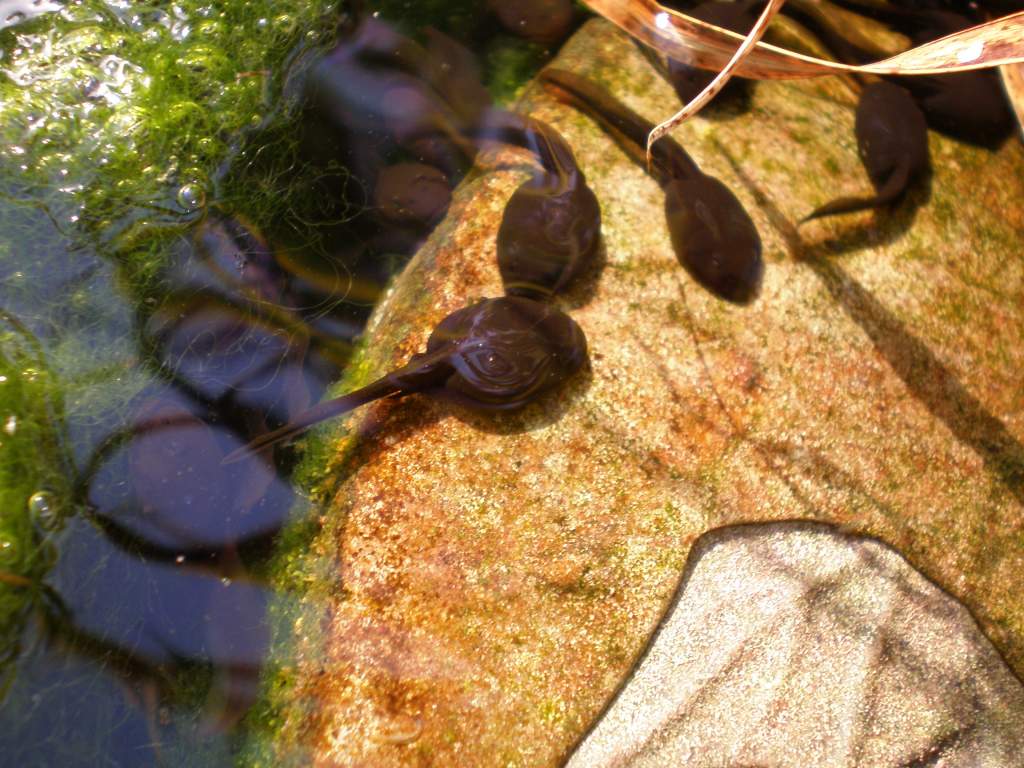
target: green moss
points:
(510, 63)
(35, 492)
(117, 120)
(552, 711)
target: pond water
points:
(189, 254)
(200, 206)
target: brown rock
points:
(482, 585)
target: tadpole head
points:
(548, 236)
(506, 352)
(714, 238)
(891, 131)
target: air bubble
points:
(8, 551)
(45, 509)
(191, 196)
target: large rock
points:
(795, 645)
(480, 586)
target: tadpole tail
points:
(421, 372)
(625, 126)
(382, 387)
(890, 191)
(546, 144)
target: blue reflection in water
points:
(148, 645)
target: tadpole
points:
(892, 139)
(712, 234)
(495, 355)
(551, 226)
(411, 193)
(739, 17)
(541, 21)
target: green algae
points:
(35, 492)
(116, 119)
(510, 64)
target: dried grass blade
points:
(723, 77)
(695, 42)
(1013, 82)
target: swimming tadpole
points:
(498, 354)
(970, 106)
(892, 140)
(712, 233)
(551, 227)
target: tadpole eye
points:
(491, 363)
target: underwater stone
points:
(496, 578)
(794, 644)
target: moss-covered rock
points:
(480, 587)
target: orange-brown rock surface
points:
(480, 586)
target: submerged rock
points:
(793, 644)
(480, 586)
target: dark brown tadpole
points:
(551, 226)
(712, 234)
(892, 139)
(494, 355)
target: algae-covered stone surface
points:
(479, 586)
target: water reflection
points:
(141, 625)
(14, 12)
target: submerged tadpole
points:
(551, 226)
(495, 355)
(712, 234)
(687, 80)
(892, 140)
